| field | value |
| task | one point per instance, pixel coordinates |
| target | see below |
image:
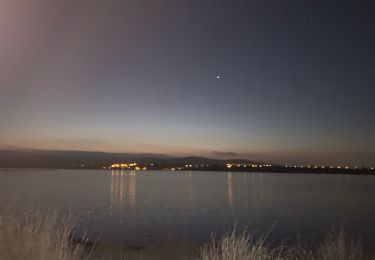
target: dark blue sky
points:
(296, 78)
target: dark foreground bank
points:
(40, 235)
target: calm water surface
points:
(142, 208)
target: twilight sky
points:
(297, 78)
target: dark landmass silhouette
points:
(31, 158)
(54, 159)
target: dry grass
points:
(239, 247)
(336, 246)
(39, 236)
(339, 246)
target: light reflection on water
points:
(189, 187)
(230, 189)
(139, 208)
(123, 188)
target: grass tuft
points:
(39, 236)
(340, 246)
(244, 246)
(241, 246)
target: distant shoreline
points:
(275, 170)
(54, 159)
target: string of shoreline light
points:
(135, 166)
(327, 167)
(230, 165)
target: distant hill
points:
(74, 159)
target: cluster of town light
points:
(130, 166)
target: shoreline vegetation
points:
(46, 235)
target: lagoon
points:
(143, 208)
